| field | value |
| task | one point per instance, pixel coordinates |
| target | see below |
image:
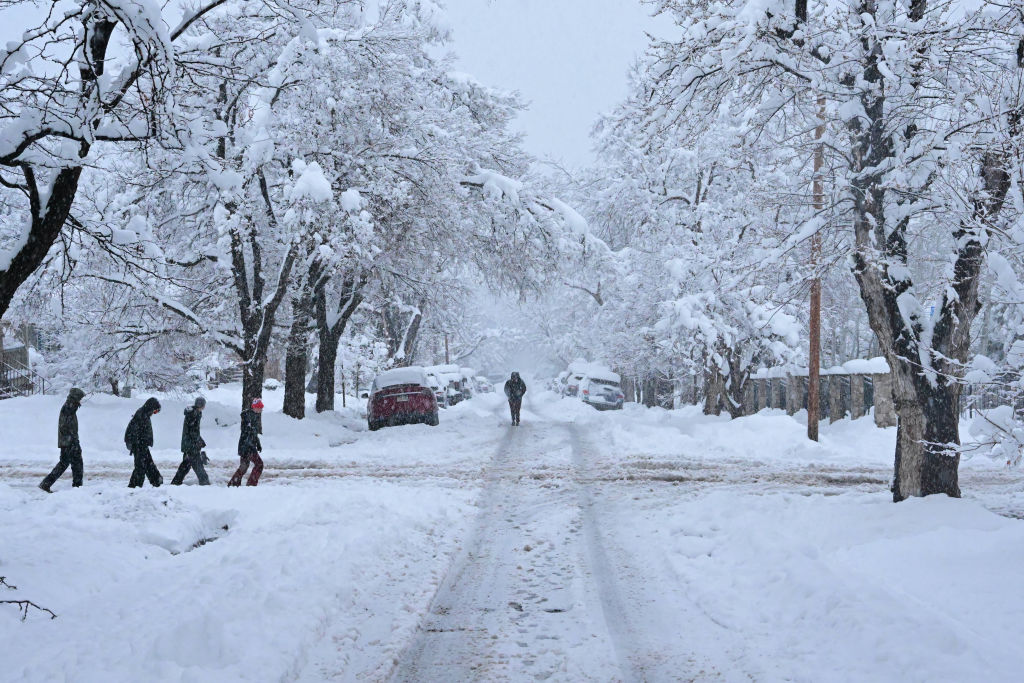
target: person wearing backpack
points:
(138, 437)
(249, 446)
(192, 445)
(515, 388)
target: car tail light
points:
(620, 396)
(586, 392)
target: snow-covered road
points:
(532, 594)
(641, 545)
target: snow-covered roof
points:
(857, 366)
(867, 366)
(411, 375)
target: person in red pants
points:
(249, 446)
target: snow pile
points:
(322, 570)
(847, 588)
(185, 582)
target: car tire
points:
(433, 420)
(374, 426)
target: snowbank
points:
(844, 588)
(322, 570)
(206, 583)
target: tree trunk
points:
(330, 325)
(927, 435)
(734, 388)
(713, 385)
(650, 392)
(295, 363)
(297, 352)
(253, 371)
(326, 361)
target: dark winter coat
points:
(249, 439)
(515, 388)
(191, 440)
(138, 437)
(67, 425)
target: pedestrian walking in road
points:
(515, 387)
(138, 437)
(192, 445)
(249, 446)
(67, 441)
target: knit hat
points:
(257, 404)
(200, 402)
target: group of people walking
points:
(138, 439)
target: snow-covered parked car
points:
(602, 390)
(401, 396)
(571, 384)
(592, 383)
(467, 382)
(439, 393)
(450, 378)
(484, 385)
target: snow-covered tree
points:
(916, 150)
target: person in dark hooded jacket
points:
(192, 445)
(249, 446)
(138, 437)
(67, 441)
(515, 387)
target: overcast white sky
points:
(568, 59)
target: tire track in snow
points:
(433, 648)
(519, 602)
(630, 656)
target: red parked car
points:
(401, 396)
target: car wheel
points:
(433, 420)
(374, 426)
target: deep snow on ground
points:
(631, 545)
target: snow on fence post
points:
(885, 409)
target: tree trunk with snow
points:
(713, 386)
(401, 325)
(926, 358)
(297, 358)
(297, 351)
(735, 385)
(330, 324)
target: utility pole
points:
(447, 358)
(814, 355)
